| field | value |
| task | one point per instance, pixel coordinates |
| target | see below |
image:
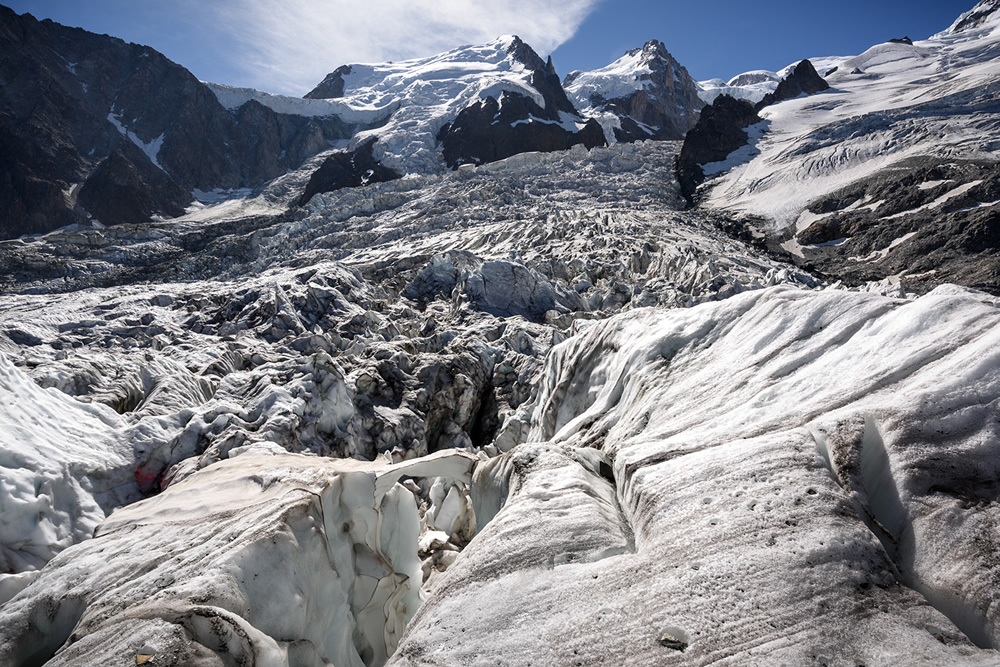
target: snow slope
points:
(751, 86)
(232, 98)
(619, 79)
(424, 94)
(936, 98)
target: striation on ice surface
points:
(63, 467)
(782, 477)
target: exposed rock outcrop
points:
(331, 87)
(976, 16)
(492, 129)
(804, 80)
(348, 169)
(923, 223)
(721, 127)
(719, 132)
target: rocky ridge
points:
(721, 129)
(646, 94)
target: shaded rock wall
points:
(72, 100)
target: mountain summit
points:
(481, 103)
(645, 94)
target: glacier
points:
(535, 411)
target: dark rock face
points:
(721, 128)
(332, 86)
(492, 129)
(907, 234)
(348, 169)
(803, 80)
(901, 40)
(127, 186)
(719, 132)
(665, 109)
(71, 100)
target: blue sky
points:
(722, 38)
(287, 46)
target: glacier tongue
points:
(761, 450)
(638, 465)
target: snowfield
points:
(934, 98)
(409, 100)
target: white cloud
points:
(288, 46)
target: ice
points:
(426, 93)
(765, 450)
(64, 465)
(233, 98)
(751, 86)
(670, 449)
(273, 558)
(409, 101)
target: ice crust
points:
(764, 450)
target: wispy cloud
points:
(288, 46)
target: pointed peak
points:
(975, 17)
(655, 46)
(652, 50)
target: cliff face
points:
(86, 117)
(494, 128)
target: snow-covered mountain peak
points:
(754, 77)
(425, 94)
(468, 71)
(644, 94)
(650, 52)
(633, 71)
(984, 15)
